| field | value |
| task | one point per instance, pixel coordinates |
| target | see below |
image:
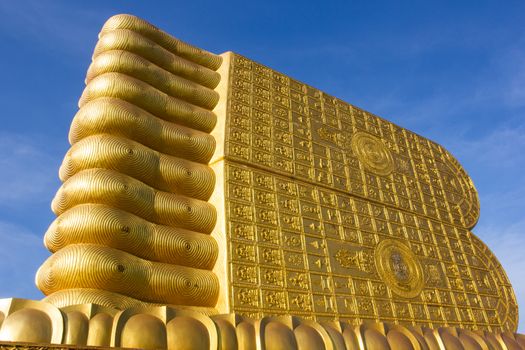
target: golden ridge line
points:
(126, 193)
(162, 172)
(115, 228)
(149, 98)
(99, 267)
(118, 61)
(133, 42)
(120, 118)
(164, 39)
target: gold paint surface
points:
(286, 127)
(133, 219)
(332, 213)
(217, 183)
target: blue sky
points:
(451, 71)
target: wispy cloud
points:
(496, 161)
(506, 242)
(483, 126)
(28, 179)
(448, 100)
(515, 94)
(22, 253)
(52, 25)
(29, 174)
(501, 148)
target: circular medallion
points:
(399, 268)
(372, 153)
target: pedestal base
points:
(29, 324)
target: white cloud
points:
(22, 253)
(502, 148)
(507, 242)
(28, 179)
(50, 24)
(28, 174)
(504, 207)
(497, 161)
